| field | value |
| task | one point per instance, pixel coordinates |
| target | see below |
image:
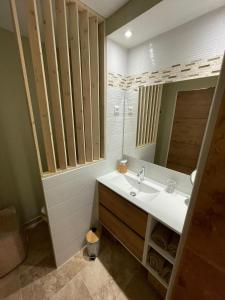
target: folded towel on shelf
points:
(173, 244)
(156, 261)
(166, 272)
(161, 235)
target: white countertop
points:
(168, 208)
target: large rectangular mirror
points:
(165, 123)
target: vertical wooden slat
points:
(77, 81)
(149, 114)
(139, 115)
(40, 81)
(61, 23)
(142, 115)
(157, 112)
(54, 82)
(102, 84)
(86, 81)
(152, 114)
(146, 114)
(25, 79)
(94, 64)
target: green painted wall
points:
(168, 105)
(131, 10)
(20, 181)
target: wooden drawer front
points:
(133, 216)
(124, 234)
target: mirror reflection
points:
(165, 123)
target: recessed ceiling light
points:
(128, 34)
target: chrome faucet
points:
(141, 175)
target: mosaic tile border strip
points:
(193, 70)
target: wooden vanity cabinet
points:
(123, 219)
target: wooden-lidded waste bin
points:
(12, 244)
(93, 243)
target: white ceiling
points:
(163, 17)
(105, 7)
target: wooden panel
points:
(25, 80)
(179, 168)
(125, 235)
(102, 84)
(202, 252)
(190, 119)
(61, 22)
(94, 64)
(77, 81)
(86, 81)
(184, 154)
(40, 81)
(54, 82)
(133, 216)
(189, 131)
(194, 104)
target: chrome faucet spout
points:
(141, 175)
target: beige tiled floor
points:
(115, 274)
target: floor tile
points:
(10, 286)
(74, 290)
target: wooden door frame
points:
(218, 99)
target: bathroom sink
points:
(129, 184)
(150, 196)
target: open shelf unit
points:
(156, 275)
(162, 252)
(149, 243)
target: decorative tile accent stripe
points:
(196, 69)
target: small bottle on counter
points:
(122, 166)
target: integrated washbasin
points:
(150, 196)
(128, 183)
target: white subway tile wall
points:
(201, 38)
(71, 197)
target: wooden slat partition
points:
(61, 22)
(148, 114)
(94, 64)
(25, 80)
(102, 84)
(75, 49)
(86, 80)
(83, 6)
(74, 43)
(54, 82)
(40, 81)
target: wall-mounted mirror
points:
(165, 124)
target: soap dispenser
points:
(122, 166)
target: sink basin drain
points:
(132, 193)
